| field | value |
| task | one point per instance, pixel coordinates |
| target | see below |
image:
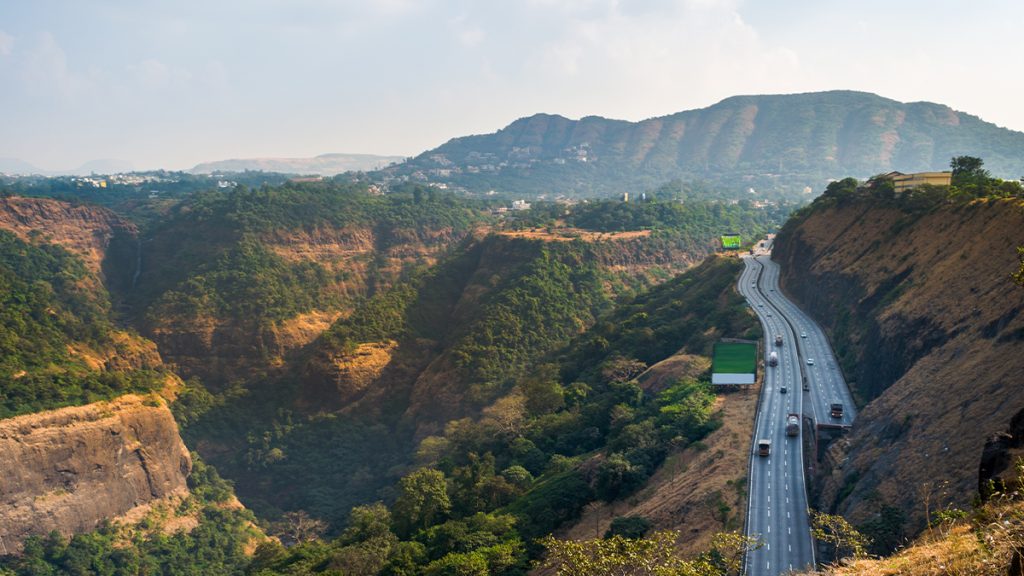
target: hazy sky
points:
(172, 83)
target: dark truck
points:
(836, 410)
(793, 424)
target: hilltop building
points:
(903, 182)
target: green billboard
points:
(731, 241)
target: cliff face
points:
(69, 469)
(929, 330)
(88, 231)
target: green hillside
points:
(52, 318)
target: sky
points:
(169, 84)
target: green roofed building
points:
(731, 241)
(734, 362)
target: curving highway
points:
(824, 377)
(777, 507)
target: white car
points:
(803, 334)
(810, 361)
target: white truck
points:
(773, 359)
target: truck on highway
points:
(836, 410)
(793, 424)
(773, 359)
(764, 447)
(778, 339)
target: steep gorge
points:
(928, 328)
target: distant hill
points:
(99, 166)
(102, 166)
(16, 166)
(780, 143)
(325, 164)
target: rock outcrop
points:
(929, 330)
(69, 469)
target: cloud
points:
(45, 71)
(6, 43)
(151, 73)
(635, 60)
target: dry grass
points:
(982, 545)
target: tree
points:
(1018, 276)
(628, 527)
(544, 395)
(619, 556)
(654, 555)
(298, 527)
(968, 168)
(834, 529)
(621, 369)
(422, 501)
(507, 414)
(366, 522)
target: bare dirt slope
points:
(929, 329)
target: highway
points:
(826, 381)
(777, 505)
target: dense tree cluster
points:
(47, 307)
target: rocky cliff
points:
(91, 232)
(70, 469)
(929, 330)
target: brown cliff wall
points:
(85, 230)
(930, 332)
(69, 469)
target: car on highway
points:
(782, 390)
(810, 361)
(803, 334)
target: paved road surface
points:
(777, 511)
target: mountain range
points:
(781, 143)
